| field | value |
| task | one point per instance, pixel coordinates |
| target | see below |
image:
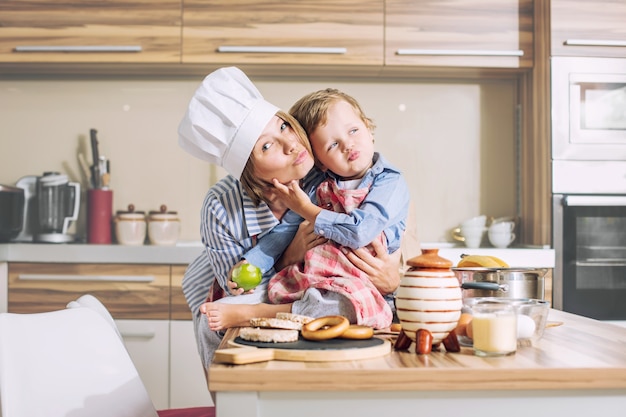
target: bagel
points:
(325, 328)
(358, 332)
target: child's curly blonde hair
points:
(311, 111)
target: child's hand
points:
(292, 195)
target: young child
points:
(363, 199)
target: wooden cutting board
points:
(303, 350)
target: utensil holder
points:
(99, 216)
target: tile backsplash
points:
(454, 141)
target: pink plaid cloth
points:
(326, 267)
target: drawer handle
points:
(593, 42)
(138, 335)
(282, 49)
(459, 52)
(78, 48)
(108, 278)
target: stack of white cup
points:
(501, 234)
(471, 231)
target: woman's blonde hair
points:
(252, 184)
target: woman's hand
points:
(304, 240)
(232, 285)
(383, 269)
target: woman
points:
(228, 123)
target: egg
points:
(525, 326)
(470, 330)
(461, 327)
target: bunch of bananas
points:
(481, 261)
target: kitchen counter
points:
(184, 253)
(577, 368)
(518, 257)
(181, 254)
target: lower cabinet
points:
(147, 342)
(188, 384)
(149, 309)
(165, 355)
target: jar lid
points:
(429, 259)
(163, 214)
(130, 214)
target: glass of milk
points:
(494, 328)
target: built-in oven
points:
(589, 186)
(589, 237)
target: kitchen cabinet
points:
(128, 291)
(149, 309)
(588, 28)
(112, 31)
(147, 342)
(467, 33)
(323, 32)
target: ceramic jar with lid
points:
(163, 227)
(130, 227)
(429, 297)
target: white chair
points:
(71, 363)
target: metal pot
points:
(502, 282)
(11, 212)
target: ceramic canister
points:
(163, 227)
(429, 296)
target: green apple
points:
(247, 276)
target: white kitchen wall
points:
(454, 141)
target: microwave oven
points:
(588, 109)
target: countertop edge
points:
(184, 254)
(84, 253)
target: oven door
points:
(588, 102)
(590, 242)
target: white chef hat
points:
(224, 120)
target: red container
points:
(99, 216)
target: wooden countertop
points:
(579, 354)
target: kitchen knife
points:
(95, 154)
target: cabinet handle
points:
(77, 48)
(593, 42)
(282, 49)
(459, 52)
(607, 201)
(108, 278)
(138, 335)
(606, 264)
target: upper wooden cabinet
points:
(588, 28)
(322, 32)
(461, 33)
(110, 31)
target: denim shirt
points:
(385, 209)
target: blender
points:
(58, 202)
